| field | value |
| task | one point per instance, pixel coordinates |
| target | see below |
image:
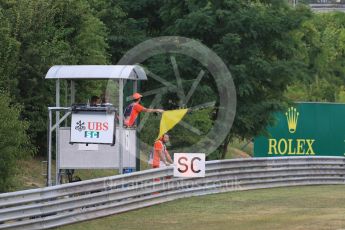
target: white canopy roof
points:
(132, 72)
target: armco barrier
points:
(70, 203)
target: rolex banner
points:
(306, 129)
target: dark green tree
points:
(256, 39)
(125, 29)
(9, 48)
(15, 143)
(323, 39)
(50, 33)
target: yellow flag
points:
(169, 119)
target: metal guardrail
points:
(324, 5)
(70, 203)
(322, 2)
(326, 8)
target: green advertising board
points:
(306, 129)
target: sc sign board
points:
(189, 165)
(92, 127)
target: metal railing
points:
(322, 5)
(70, 203)
(322, 2)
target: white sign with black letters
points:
(189, 165)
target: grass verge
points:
(305, 207)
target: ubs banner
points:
(306, 129)
(93, 127)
